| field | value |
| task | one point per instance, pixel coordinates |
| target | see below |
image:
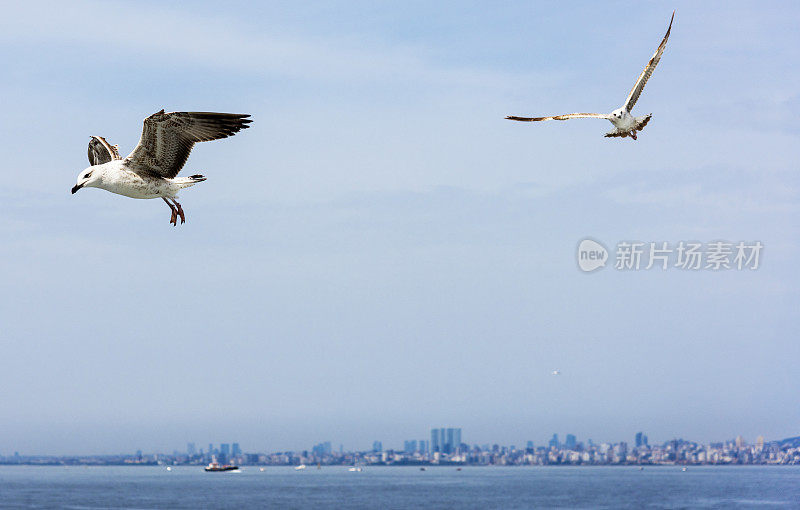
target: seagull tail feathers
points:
(641, 122)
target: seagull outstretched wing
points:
(168, 138)
(561, 117)
(636, 91)
(100, 151)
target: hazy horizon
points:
(396, 446)
(383, 253)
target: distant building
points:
(453, 443)
(622, 449)
(553, 443)
(424, 446)
(236, 451)
(740, 443)
(224, 453)
(445, 440)
(191, 451)
(571, 443)
(322, 449)
(641, 439)
(377, 446)
(410, 446)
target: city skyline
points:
(640, 439)
(571, 452)
(230, 449)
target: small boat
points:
(683, 469)
(300, 467)
(213, 466)
(355, 469)
(261, 469)
(458, 469)
(422, 469)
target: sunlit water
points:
(401, 487)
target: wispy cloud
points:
(124, 33)
(720, 190)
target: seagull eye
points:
(87, 175)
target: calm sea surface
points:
(401, 487)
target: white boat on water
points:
(215, 467)
(300, 467)
(355, 469)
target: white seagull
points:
(625, 124)
(151, 170)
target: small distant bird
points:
(556, 372)
(625, 124)
(151, 170)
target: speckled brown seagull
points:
(151, 170)
(625, 124)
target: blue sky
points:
(382, 253)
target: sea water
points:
(146, 487)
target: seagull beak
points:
(76, 188)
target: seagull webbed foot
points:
(180, 212)
(173, 219)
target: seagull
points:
(151, 170)
(556, 372)
(625, 124)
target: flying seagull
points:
(151, 170)
(625, 124)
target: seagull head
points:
(619, 113)
(87, 178)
